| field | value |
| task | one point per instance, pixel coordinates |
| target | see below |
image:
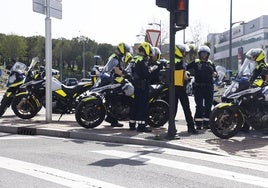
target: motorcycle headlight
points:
(234, 88)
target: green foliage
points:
(67, 54)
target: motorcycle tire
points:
(90, 114)
(158, 113)
(5, 103)
(225, 123)
(24, 108)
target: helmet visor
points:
(203, 55)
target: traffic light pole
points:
(172, 131)
(178, 21)
(171, 123)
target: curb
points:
(103, 138)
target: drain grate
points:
(26, 131)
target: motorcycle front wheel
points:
(90, 114)
(225, 123)
(4, 104)
(158, 113)
(24, 107)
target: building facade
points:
(252, 34)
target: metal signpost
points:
(49, 8)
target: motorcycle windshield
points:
(221, 71)
(246, 69)
(19, 67)
(242, 79)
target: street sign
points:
(153, 36)
(55, 9)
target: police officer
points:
(204, 72)
(155, 66)
(115, 61)
(141, 76)
(180, 91)
(257, 55)
(115, 69)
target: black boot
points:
(113, 121)
(143, 128)
(117, 124)
(132, 126)
(198, 125)
(192, 130)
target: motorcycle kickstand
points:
(60, 117)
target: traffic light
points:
(181, 12)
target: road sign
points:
(55, 7)
(153, 36)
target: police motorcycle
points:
(114, 96)
(241, 103)
(18, 75)
(64, 98)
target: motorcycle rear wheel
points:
(24, 107)
(90, 114)
(158, 113)
(225, 123)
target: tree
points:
(14, 47)
(35, 47)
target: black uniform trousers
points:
(203, 96)
(140, 105)
(180, 94)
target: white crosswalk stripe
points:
(53, 175)
(209, 171)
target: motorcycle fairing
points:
(244, 92)
(61, 92)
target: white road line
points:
(248, 163)
(53, 175)
(17, 137)
(225, 174)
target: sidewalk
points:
(253, 145)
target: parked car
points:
(70, 81)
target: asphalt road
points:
(38, 161)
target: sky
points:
(115, 21)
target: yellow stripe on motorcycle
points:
(119, 79)
(61, 92)
(89, 84)
(8, 94)
(89, 98)
(16, 84)
(258, 82)
(221, 105)
(36, 101)
(22, 93)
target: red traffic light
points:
(181, 5)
